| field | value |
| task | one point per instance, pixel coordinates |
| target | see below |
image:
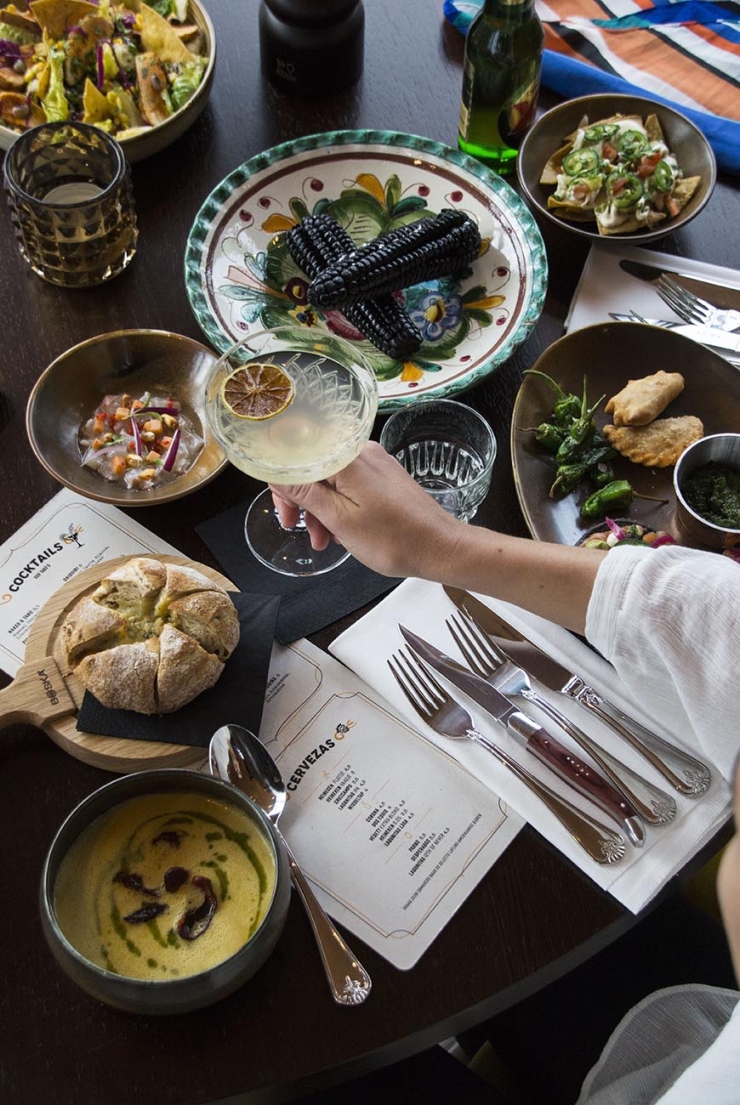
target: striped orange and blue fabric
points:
(683, 52)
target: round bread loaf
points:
(152, 636)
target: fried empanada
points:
(658, 445)
(641, 401)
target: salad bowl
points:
(110, 89)
(550, 134)
(71, 390)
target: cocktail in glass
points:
(290, 405)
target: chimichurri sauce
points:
(713, 492)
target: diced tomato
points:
(608, 151)
(618, 185)
(672, 206)
(581, 191)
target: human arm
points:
(377, 511)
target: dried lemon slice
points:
(257, 391)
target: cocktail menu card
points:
(65, 537)
(391, 831)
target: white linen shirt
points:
(667, 619)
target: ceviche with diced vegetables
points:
(121, 65)
(143, 442)
(620, 173)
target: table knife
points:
(720, 293)
(684, 772)
(582, 778)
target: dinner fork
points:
(491, 662)
(448, 718)
(692, 309)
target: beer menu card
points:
(391, 831)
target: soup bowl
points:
(156, 936)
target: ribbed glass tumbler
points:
(69, 191)
(448, 448)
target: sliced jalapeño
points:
(600, 132)
(631, 145)
(580, 162)
(624, 190)
(662, 177)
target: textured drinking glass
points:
(71, 203)
(448, 448)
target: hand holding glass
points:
(301, 431)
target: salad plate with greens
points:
(141, 72)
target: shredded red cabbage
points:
(616, 529)
(9, 49)
(170, 455)
(664, 539)
(173, 409)
(101, 67)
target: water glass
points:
(448, 448)
(71, 202)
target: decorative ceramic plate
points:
(609, 354)
(240, 276)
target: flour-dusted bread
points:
(152, 636)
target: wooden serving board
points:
(47, 694)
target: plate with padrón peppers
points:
(599, 423)
(416, 251)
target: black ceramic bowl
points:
(549, 133)
(171, 995)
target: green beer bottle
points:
(501, 81)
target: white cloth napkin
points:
(605, 287)
(634, 880)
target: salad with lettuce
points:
(122, 66)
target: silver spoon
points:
(238, 757)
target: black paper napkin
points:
(237, 697)
(307, 603)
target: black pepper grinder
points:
(312, 47)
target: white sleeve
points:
(667, 619)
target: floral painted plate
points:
(240, 276)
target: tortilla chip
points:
(57, 16)
(654, 130)
(160, 38)
(658, 445)
(95, 104)
(684, 189)
(631, 223)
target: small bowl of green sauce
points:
(707, 485)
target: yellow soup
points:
(165, 885)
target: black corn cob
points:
(436, 246)
(318, 241)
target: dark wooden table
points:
(534, 916)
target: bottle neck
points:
(496, 9)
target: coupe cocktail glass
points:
(328, 418)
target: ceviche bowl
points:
(550, 136)
(112, 86)
(166, 374)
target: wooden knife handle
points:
(577, 774)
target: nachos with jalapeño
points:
(620, 173)
(118, 64)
